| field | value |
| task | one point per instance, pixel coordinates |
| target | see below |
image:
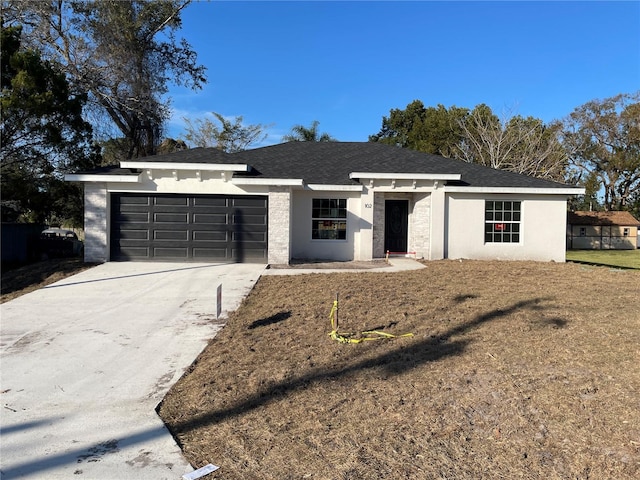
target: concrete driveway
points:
(85, 361)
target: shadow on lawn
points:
(396, 362)
(263, 322)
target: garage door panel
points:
(134, 234)
(172, 201)
(131, 217)
(136, 200)
(210, 201)
(216, 227)
(171, 235)
(249, 219)
(212, 219)
(257, 237)
(170, 252)
(255, 202)
(131, 253)
(210, 236)
(249, 254)
(178, 218)
(221, 254)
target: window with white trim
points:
(625, 232)
(329, 219)
(502, 221)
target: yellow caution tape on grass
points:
(363, 337)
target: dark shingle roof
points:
(109, 170)
(330, 163)
(192, 155)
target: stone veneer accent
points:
(378, 225)
(420, 221)
(279, 225)
(96, 233)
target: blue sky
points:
(347, 64)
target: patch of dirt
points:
(515, 370)
(19, 281)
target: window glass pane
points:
(327, 219)
(502, 221)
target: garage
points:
(221, 228)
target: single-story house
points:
(319, 200)
(602, 231)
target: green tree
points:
(603, 140)
(224, 134)
(634, 204)
(123, 54)
(42, 133)
(589, 201)
(522, 145)
(300, 133)
(434, 130)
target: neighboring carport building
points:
(602, 231)
(319, 200)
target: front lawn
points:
(610, 258)
(515, 370)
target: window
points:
(502, 221)
(329, 219)
(625, 232)
(583, 231)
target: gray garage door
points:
(193, 227)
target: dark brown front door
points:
(396, 222)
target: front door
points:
(396, 222)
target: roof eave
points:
(405, 176)
(276, 182)
(334, 188)
(90, 177)
(521, 190)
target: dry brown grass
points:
(20, 281)
(516, 370)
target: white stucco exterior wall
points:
(303, 246)
(438, 220)
(543, 228)
(363, 236)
